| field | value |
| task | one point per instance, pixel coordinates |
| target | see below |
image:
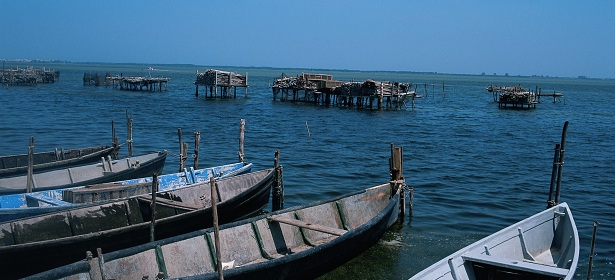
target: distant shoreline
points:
(38, 62)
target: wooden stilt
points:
(197, 143)
(214, 206)
(30, 179)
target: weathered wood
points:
(129, 128)
(182, 159)
(30, 180)
(311, 226)
(241, 135)
(197, 143)
(214, 207)
(152, 236)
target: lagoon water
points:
(475, 168)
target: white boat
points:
(543, 246)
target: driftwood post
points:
(30, 182)
(153, 207)
(214, 207)
(197, 143)
(241, 134)
(129, 127)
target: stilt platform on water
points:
(138, 83)
(321, 89)
(226, 82)
(519, 97)
(28, 76)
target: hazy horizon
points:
(522, 38)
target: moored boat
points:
(296, 243)
(38, 243)
(108, 170)
(543, 246)
(16, 165)
(15, 206)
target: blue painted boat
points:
(22, 205)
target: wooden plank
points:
(311, 226)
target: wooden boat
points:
(16, 165)
(105, 171)
(543, 246)
(16, 206)
(35, 244)
(296, 243)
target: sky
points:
(549, 38)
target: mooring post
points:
(30, 179)
(561, 163)
(129, 127)
(242, 126)
(114, 142)
(182, 160)
(197, 143)
(551, 200)
(277, 189)
(591, 253)
(153, 207)
(214, 207)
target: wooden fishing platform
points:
(226, 82)
(519, 97)
(322, 89)
(138, 83)
(28, 76)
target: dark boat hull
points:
(17, 165)
(28, 259)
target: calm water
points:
(475, 168)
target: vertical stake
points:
(591, 254)
(277, 188)
(114, 141)
(129, 127)
(561, 163)
(214, 206)
(241, 135)
(30, 182)
(152, 236)
(182, 160)
(197, 143)
(551, 201)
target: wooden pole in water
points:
(214, 207)
(242, 125)
(591, 253)
(561, 163)
(182, 160)
(129, 127)
(30, 179)
(197, 143)
(114, 141)
(551, 201)
(277, 200)
(153, 207)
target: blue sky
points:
(553, 38)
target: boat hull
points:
(17, 165)
(34, 257)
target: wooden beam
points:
(311, 226)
